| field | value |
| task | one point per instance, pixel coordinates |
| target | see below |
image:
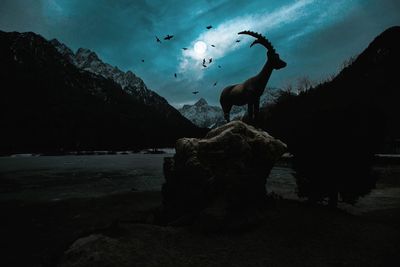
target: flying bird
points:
(215, 84)
(195, 92)
(158, 40)
(209, 27)
(185, 48)
(210, 61)
(204, 65)
(213, 45)
(219, 66)
(168, 37)
(175, 75)
(142, 60)
(204, 61)
(237, 41)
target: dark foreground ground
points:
(295, 234)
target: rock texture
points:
(139, 245)
(222, 176)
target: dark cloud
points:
(21, 15)
(123, 32)
(323, 51)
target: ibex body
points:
(250, 91)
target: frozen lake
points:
(52, 178)
(59, 177)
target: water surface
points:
(52, 178)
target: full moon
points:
(200, 47)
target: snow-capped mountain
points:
(50, 104)
(88, 60)
(201, 114)
(204, 115)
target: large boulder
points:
(219, 178)
(138, 245)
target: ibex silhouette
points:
(249, 91)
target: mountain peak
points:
(86, 55)
(88, 60)
(204, 115)
(394, 30)
(201, 102)
(98, 113)
(380, 54)
(387, 39)
(63, 50)
(82, 50)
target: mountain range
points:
(207, 116)
(53, 99)
(87, 60)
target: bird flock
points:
(205, 63)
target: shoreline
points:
(37, 233)
(42, 231)
(163, 150)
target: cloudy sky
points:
(313, 36)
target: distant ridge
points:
(87, 60)
(204, 115)
(48, 103)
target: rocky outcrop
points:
(137, 245)
(219, 180)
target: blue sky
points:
(313, 36)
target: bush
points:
(333, 143)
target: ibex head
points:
(276, 61)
